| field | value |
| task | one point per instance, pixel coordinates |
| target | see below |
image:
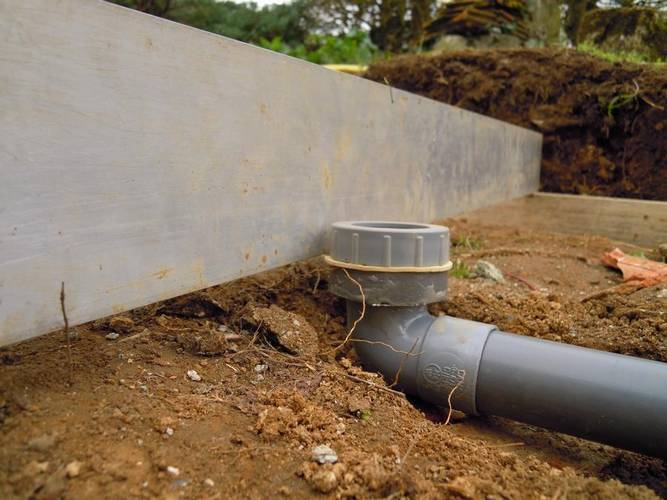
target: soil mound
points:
(604, 124)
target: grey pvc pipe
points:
(609, 398)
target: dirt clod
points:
(291, 330)
(121, 324)
(203, 341)
(358, 406)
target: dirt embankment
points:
(226, 393)
(604, 124)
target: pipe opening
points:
(391, 225)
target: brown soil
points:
(127, 420)
(604, 124)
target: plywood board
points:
(142, 159)
(639, 222)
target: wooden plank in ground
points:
(142, 159)
(640, 222)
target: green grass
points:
(460, 270)
(634, 57)
(467, 242)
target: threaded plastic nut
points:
(390, 244)
(393, 263)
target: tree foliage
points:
(394, 25)
(288, 28)
(242, 21)
(351, 48)
(324, 30)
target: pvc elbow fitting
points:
(398, 268)
(438, 357)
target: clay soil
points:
(604, 124)
(124, 419)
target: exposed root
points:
(66, 321)
(388, 346)
(506, 251)
(449, 398)
(348, 337)
(375, 386)
(650, 103)
(622, 289)
(271, 354)
(361, 316)
(400, 367)
(251, 345)
(520, 279)
(412, 444)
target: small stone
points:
(194, 376)
(121, 324)
(209, 482)
(261, 368)
(323, 454)
(42, 443)
(487, 270)
(169, 431)
(174, 471)
(73, 469)
(111, 336)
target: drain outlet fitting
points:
(402, 267)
